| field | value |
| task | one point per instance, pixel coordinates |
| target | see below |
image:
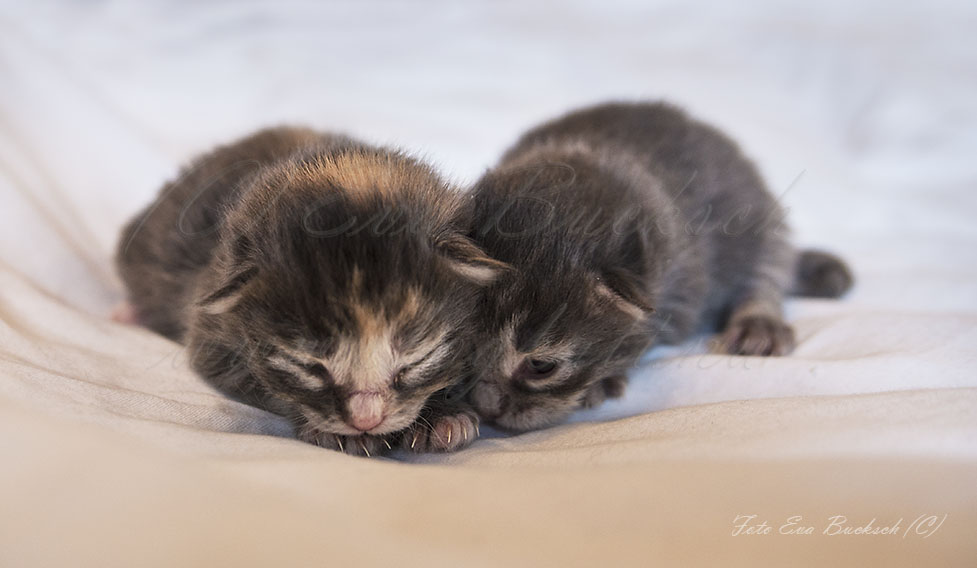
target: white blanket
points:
(113, 453)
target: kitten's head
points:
(548, 341)
(574, 309)
(348, 288)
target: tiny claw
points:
(366, 451)
(340, 441)
(477, 432)
(464, 433)
(414, 441)
(449, 435)
(386, 443)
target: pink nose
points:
(365, 410)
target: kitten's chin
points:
(343, 429)
(384, 429)
(396, 422)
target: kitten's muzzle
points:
(489, 400)
(365, 410)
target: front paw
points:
(369, 446)
(611, 387)
(757, 335)
(447, 432)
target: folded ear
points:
(468, 259)
(625, 292)
(228, 292)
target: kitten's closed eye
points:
(413, 372)
(318, 370)
(303, 364)
(310, 375)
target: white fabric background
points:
(861, 116)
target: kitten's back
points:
(722, 202)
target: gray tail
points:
(821, 275)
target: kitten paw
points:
(821, 275)
(611, 387)
(369, 446)
(447, 433)
(757, 335)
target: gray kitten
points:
(626, 225)
(320, 278)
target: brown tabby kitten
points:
(319, 278)
(626, 224)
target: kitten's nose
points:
(365, 410)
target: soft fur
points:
(625, 224)
(320, 278)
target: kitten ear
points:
(229, 292)
(468, 260)
(625, 293)
(237, 268)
